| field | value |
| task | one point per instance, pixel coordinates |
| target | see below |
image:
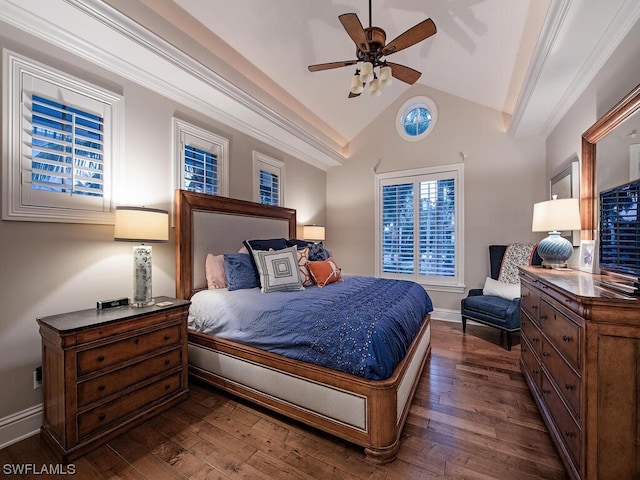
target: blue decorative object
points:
(555, 249)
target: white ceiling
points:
(503, 54)
(473, 55)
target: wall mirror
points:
(566, 184)
(605, 144)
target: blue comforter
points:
(362, 326)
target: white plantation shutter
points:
(268, 185)
(201, 159)
(419, 226)
(269, 188)
(63, 143)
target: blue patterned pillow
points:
(317, 253)
(240, 271)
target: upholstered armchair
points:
(498, 304)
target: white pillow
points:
(501, 289)
(279, 270)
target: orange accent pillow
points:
(325, 272)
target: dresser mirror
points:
(610, 156)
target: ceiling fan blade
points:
(352, 25)
(405, 74)
(328, 66)
(415, 34)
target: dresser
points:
(106, 371)
(581, 359)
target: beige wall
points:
(619, 75)
(50, 268)
(503, 179)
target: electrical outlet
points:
(37, 378)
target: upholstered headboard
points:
(212, 224)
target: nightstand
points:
(106, 371)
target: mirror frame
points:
(626, 107)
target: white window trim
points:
(15, 66)
(413, 102)
(180, 127)
(440, 284)
(270, 164)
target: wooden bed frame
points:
(365, 412)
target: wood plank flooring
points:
(472, 418)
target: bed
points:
(369, 413)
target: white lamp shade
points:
(356, 85)
(366, 72)
(139, 224)
(313, 232)
(385, 76)
(556, 215)
(374, 88)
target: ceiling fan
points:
(371, 50)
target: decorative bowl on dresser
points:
(106, 371)
(581, 360)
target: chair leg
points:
(509, 341)
(464, 325)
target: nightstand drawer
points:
(115, 411)
(562, 332)
(126, 349)
(129, 376)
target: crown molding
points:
(94, 30)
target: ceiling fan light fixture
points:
(366, 72)
(385, 76)
(356, 84)
(374, 88)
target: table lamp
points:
(141, 225)
(313, 232)
(553, 216)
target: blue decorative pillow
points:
(266, 244)
(240, 271)
(317, 253)
(299, 244)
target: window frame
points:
(407, 107)
(271, 165)
(24, 77)
(453, 284)
(181, 129)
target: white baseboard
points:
(446, 315)
(19, 426)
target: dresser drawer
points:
(530, 362)
(126, 349)
(115, 411)
(532, 333)
(126, 377)
(563, 333)
(569, 432)
(568, 382)
(529, 301)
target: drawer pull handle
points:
(535, 339)
(570, 434)
(566, 338)
(545, 391)
(167, 337)
(101, 358)
(536, 372)
(136, 341)
(568, 386)
(167, 361)
(543, 316)
(167, 386)
(101, 388)
(545, 354)
(102, 416)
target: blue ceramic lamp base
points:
(555, 250)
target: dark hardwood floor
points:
(472, 418)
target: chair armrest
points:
(513, 314)
(474, 292)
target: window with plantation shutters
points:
(419, 226)
(201, 159)
(268, 174)
(63, 138)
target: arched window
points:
(416, 118)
